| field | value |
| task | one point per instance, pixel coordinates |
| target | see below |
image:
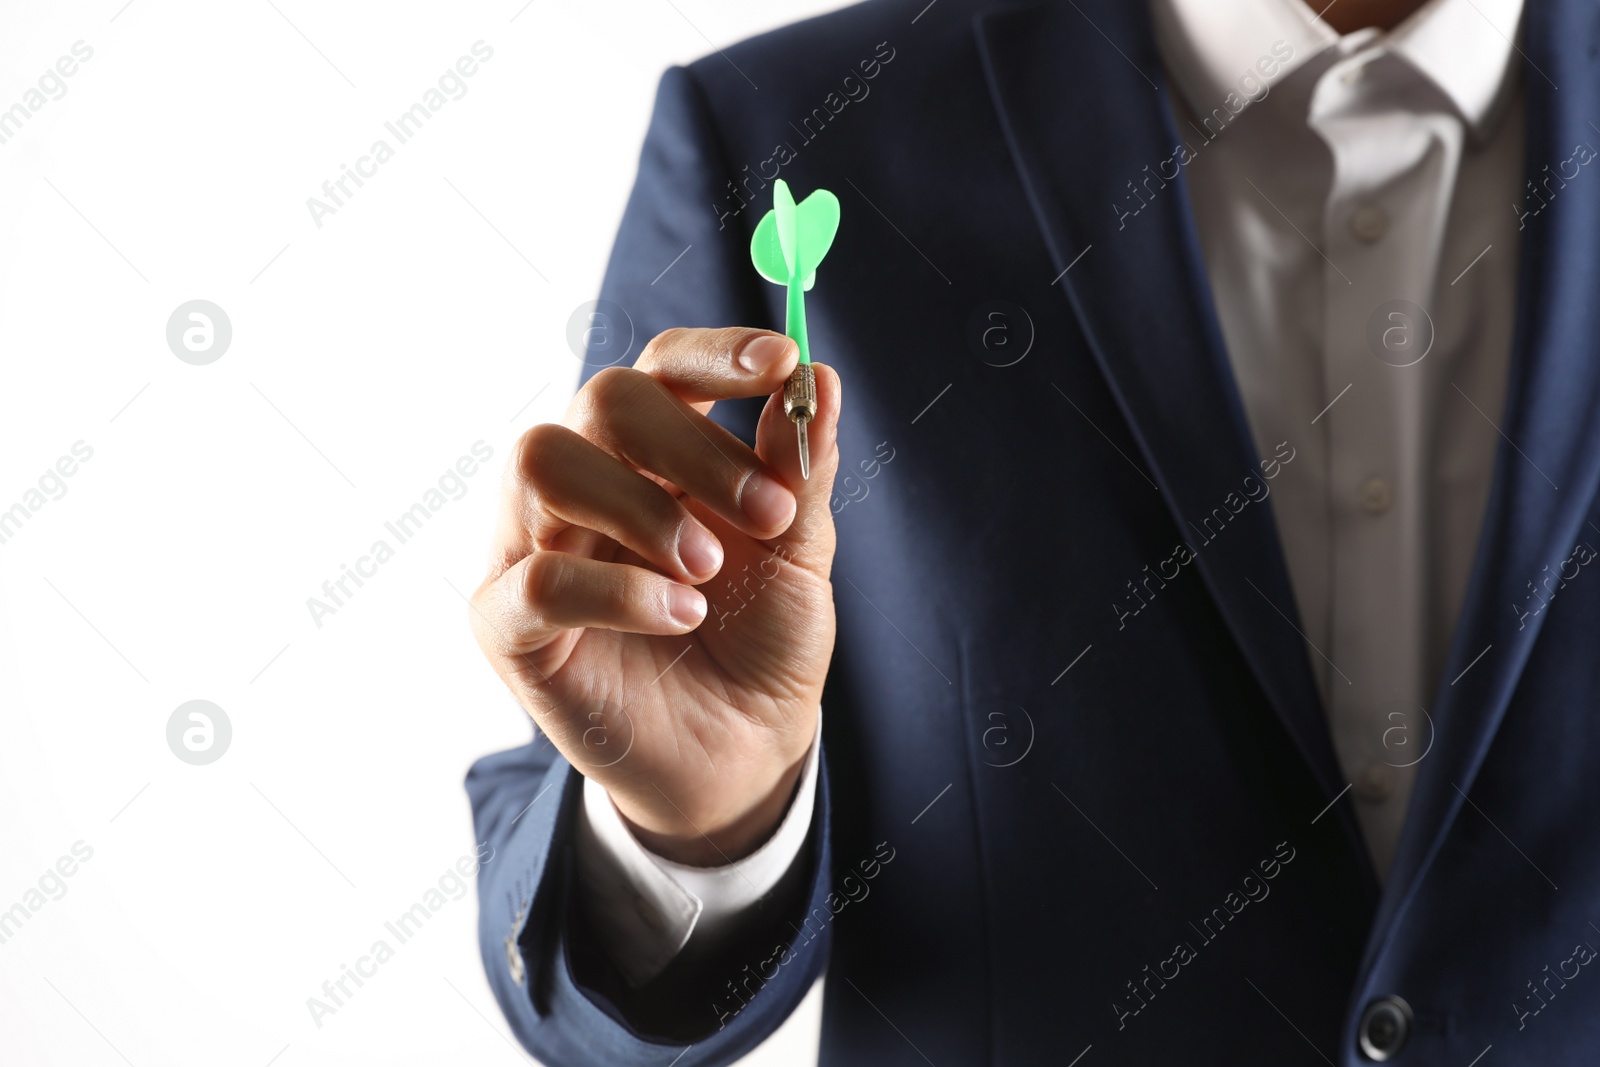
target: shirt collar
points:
(1214, 48)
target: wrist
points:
(715, 834)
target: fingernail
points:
(686, 606)
(760, 354)
(766, 503)
(698, 550)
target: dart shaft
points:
(795, 320)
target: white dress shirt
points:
(644, 908)
(1353, 197)
(1363, 183)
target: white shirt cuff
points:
(644, 907)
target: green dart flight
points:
(789, 242)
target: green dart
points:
(789, 242)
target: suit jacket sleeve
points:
(563, 997)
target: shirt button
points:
(1385, 1025)
(1376, 784)
(1376, 496)
(1369, 222)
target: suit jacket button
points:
(1385, 1025)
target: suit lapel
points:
(1545, 484)
(1085, 113)
(1140, 293)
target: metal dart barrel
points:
(800, 404)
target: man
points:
(1195, 579)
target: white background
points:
(367, 356)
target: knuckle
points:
(538, 450)
(477, 605)
(545, 584)
(603, 386)
(607, 392)
(664, 344)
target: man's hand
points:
(697, 724)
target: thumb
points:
(811, 534)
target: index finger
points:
(703, 365)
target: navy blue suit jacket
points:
(1105, 830)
